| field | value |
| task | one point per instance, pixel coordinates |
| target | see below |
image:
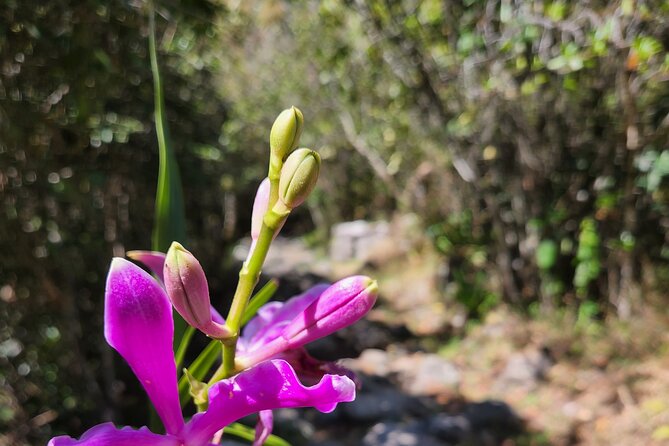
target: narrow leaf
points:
(170, 218)
(199, 368)
(183, 346)
(260, 299)
(241, 431)
(169, 224)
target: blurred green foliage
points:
(531, 138)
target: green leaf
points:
(170, 220)
(170, 217)
(183, 346)
(247, 433)
(259, 300)
(199, 368)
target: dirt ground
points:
(573, 382)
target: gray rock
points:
(380, 404)
(450, 428)
(427, 374)
(286, 256)
(494, 416)
(484, 423)
(524, 369)
(373, 361)
(355, 239)
(396, 434)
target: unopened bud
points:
(339, 306)
(286, 132)
(298, 177)
(187, 289)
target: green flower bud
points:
(298, 177)
(286, 131)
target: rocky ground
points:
(430, 377)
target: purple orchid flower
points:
(139, 325)
(280, 329)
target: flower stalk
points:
(248, 279)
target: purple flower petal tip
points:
(107, 434)
(153, 260)
(273, 317)
(260, 204)
(264, 427)
(138, 324)
(342, 304)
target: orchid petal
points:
(269, 385)
(139, 325)
(153, 260)
(262, 318)
(339, 306)
(263, 427)
(311, 370)
(271, 321)
(260, 205)
(107, 434)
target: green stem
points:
(275, 165)
(248, 279)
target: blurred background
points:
(503, 167)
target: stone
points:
(373, 362)
(382, 404)
(483, 423)
(524, 369)
(450, 428)
(354, 240)
(424, 374)
(397, 434)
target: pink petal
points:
(260, 204)
(273, 317)
(269, 385)
(342, 304)
(255, 325)
(337, 307)
(263, 427)
(139, 325)
(108, 435)
(153, 260)
(311, 370)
